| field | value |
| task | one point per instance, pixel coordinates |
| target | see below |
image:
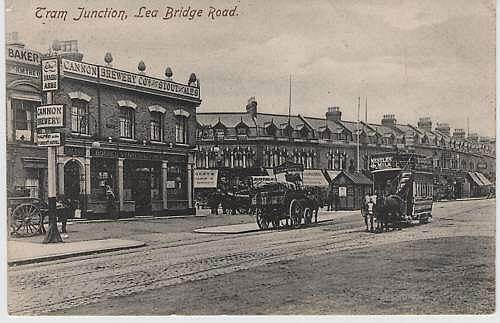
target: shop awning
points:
(314, 177)
(333, 174)
(358, 178)
(483, 178)
(475, 179)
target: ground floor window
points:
(102, 173)
(177, 182)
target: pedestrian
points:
(110, 198)
(329, 200)
(214, 203)
(336, 199)
(64, 212)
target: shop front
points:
(144, 183)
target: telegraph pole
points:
(54, 113)
(357, 137)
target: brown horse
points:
(388, 212)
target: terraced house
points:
(247, 143)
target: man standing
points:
(110, 197)
(336, 201)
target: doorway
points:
(72, 180)
(142, 191)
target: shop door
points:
(142, 192)
(72, 181)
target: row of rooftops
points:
(315, 128)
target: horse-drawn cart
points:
(282, 204)
(26, 216)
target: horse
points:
(389, 212)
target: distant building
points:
(242, 144)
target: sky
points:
(427, 58)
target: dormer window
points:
(242, 129)
(288, 131)
(271, 130)
(219, 133)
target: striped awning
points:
(483, 178)
(476, 179)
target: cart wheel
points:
(307, 216)
(261, 220)
(276, 224)
(26, 220)
(295, 213)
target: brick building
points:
(127, 130)
(241, 144)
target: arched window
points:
(127, 122)
(79, 116)
(180, 129)
(156, 126)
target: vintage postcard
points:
(250, 157)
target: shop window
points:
(180, 129)
(127, 122)
(156, 126)
(24, 119)
(177, 183)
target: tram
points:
(408, 176)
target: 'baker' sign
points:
(50, 116)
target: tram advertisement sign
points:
(381, 162)
(53, 139)
(50, 116)
(50, 74)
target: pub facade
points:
(127, 131)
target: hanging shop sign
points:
(314, 177)
(53, 139)
(50, 116)
(50, 74)
(205, 178)
(259, 180)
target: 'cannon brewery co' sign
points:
(50, 74)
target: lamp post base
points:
(52, 235)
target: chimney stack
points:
(334, 114)
(252, 107)
(389, 120)
(425, 124)
(443, 128)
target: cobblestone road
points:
(186, 257)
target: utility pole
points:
(357, 136)
(290, 100)
(52, 235)
(366, 110)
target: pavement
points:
(323, 216)
(20, 253)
